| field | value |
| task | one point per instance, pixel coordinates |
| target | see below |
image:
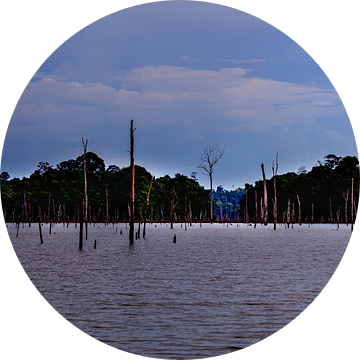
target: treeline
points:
(322, 195)
(59, 192)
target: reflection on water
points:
(217, 290)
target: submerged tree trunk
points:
(256, 209)
(107, 206)
(172, 208)
(85, 185)
(346, 206)
(288, 213)
(40, 233)
(275, 169)
(132, 190)
(312, 213)
(147, 205)
(331, 213)
(265, 196)
(352, 204)
(299, 203)
(81, 226)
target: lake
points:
(216, 290)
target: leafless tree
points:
(346, 198)
(265, 195)
(208, 161)
(85, 186)
(275, 170)
(132, 189)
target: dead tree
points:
(147, 205)
(288, 213)
(331, 213)
(107, 206)
(312, 213)
(132, 189)
(352, 204)
(172, 206)
(246, 206)
(81, 226)
(256, 209)
(85, 186)
(275, 169)
(299, 204)
(265, 196)
(346, 198)
(208, 161)
(40, 233)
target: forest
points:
(323, 194)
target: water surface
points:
(216, 290)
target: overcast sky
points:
(189, 74)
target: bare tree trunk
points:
(346, 206)
(107, 206)
(190, 212)
(265, 196)
(185, 217)
(132, 190)
(275, 169)
(256, 209)
(40, 233)
(246, 206)
(85, 186)
(352, 204)
(299, 203)
(312, 213)
(211, 200)
(81, 226)
(288, 214)
(147, 205)
(331, 214)
(172, 208)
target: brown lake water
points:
(218, 289)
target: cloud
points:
(177, 111)
(250, 61)
(160, 93)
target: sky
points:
(190, 74)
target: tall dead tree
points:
(265, 196)
(132, 189)
(85, 187)
(208, 161)
(274, 170)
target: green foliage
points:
(326, 182)
(63, 187)
(59, 192)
